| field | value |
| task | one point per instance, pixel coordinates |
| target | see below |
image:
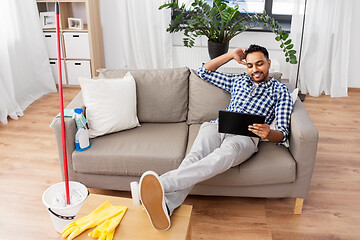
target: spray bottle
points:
(82, 139)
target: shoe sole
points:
(152, 198)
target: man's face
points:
(258, 67)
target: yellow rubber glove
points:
(98, 216)
(106, 230)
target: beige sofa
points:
(171, 105)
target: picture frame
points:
(48, 20)
(75, 23)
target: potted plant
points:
(220, 24)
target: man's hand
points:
(239, 55)
(262, 130)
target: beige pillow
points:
(205, 100)
(110, 104)
(276, 75)
(162, 94)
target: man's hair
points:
(257, 48)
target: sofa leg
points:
(298, 204)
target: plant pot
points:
(217, 49)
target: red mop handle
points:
(62, 106)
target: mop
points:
(61, 206)
(62, 106)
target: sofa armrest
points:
(70, 131)
(77, 102)
(303, 146)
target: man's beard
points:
(259, 80)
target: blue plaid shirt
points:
(270, 99)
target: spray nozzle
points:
(78, 110)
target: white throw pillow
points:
(294, 95)
(110, 104)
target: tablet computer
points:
(238, 123)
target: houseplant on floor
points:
(220, 24)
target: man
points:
(212, 152)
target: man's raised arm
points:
(237, 54)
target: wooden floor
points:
(29, 164)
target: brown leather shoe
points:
(152, 198)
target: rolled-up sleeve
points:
(282, 114)
(221, 80)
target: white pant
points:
(211, 154)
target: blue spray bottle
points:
(82, 139)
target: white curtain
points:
(25, 73)
(134, 33)
(331, 27)
(295, 35)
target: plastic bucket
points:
(61, 216)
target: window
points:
(250, 6)
(282, 7)
(280, 10)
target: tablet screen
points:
(238, 123)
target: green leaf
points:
(280, 31)
(290, 46)
(277, 38)
(292, 52)
(292, 57)
(287, 59)
(292, 61)
(288, 42)
(284, 37)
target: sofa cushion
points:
(157, 147)
(205, 100)
(110, 104)
(270, 165)
(162, 94)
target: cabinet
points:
(54, 69)
(81, 49)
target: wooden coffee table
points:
(136, 224)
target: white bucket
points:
(61, 216)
